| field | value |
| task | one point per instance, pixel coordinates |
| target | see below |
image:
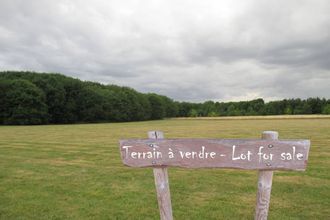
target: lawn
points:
(75, 172)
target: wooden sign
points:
(223, 153)
(265, 154)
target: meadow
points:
(75, 172)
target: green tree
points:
(24, 103)
(72, 88)
(4, 89)
(184, 108)
(212, 114)
(326, 109)
(193, 113)
(288, 110)
(157, 106)
(55, 95)
(233, 110)
(207, 108)
(171, 107)
(315, 105)
(90, 103)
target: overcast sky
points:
(187, 50)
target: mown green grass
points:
(75, 172)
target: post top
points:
(155, 134)
(270, 135)
(270, 132)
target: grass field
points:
(75, 172)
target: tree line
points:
(43, 98)
(255, 107)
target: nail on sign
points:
(253, 154)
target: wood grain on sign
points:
(253, 154)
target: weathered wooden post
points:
(265, 183)
(162, 184)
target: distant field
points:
(75, 172)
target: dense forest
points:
(43, 98)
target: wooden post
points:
(264, 184)
(162, 184)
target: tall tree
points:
(24, 103)
(157, 106)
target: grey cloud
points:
(188, 50)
